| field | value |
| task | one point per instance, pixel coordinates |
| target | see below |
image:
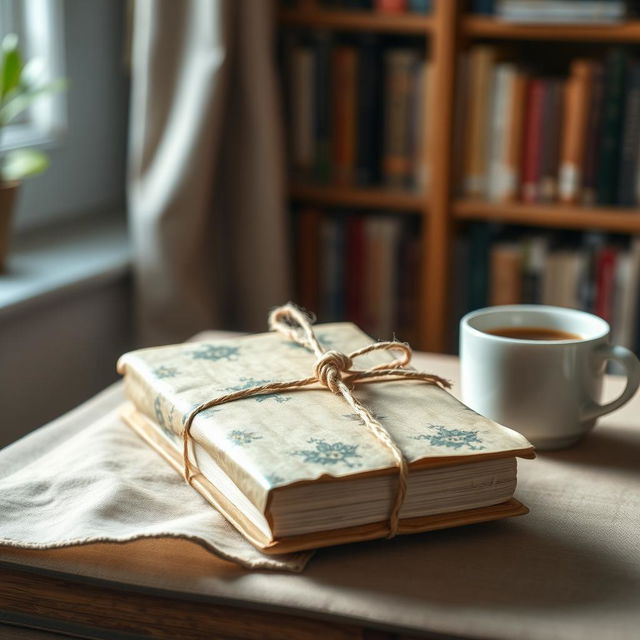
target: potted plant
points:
(20, 85)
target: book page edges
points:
(140, 424)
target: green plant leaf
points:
(23, 163)
(11, 64)
(21, 99)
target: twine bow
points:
(336, 372)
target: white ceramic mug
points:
(548, 390)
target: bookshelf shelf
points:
(371, 197)
(316, 18)
(612, 219)
(482, 27)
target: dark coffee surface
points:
(532, 333)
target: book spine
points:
(369, 121)
(576, 113)
(323, 107)
(514, 135)
(356, 270)
(481, 61)
(609, 146)
(302, 96)
(389, 237)
(397, 157)
(532, 139)
(498, 183)
(534, 258)
(594, 127)
(480, 235)
(419, 129)
(551, 129)
(344, 98)
(505, 274)
(630, 139)
(308, 258)
(605, 282)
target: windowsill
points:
(67, 257)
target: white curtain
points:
(206, 183)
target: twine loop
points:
(331, 367)
(334, 370)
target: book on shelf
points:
(296, 470)
(384, 6)
(549, 138)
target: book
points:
(531, 162)
(322, 111)
(369, 122)
(499, 184)
(296, 470)
(549, 144)
(344, 70)
(399, 91)
(308, 258)
(332, 275)
(612, 118)
(481, 61)
(574, 137)
(302, 105)
(505, 280)
(419, 131)
(594, 127)
(479, 246)
(391, 6)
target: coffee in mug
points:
(539, 370)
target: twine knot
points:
(330, 367)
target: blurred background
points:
(395, 163)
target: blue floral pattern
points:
(165, 372)
(274, 479)
(329, 453)
(357, 418)
(215, 352)
(452, 438)
(242, 438)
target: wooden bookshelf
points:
(317, 18)
(449, 28)
(611, 219)
(484, 27)
(368, 198)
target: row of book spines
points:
(386, 6)
(543, 139)
(600, 277)
(359, 268)
(352, 126)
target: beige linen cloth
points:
(64, 485)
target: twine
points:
(335, 371)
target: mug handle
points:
(631, 364)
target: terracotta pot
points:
(8, 193)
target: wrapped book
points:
(297, 468)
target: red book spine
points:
(532, 141)
(391, 6)
(605, 275)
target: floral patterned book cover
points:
(278, 439)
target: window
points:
(39, 27)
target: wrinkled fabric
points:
(92, 480)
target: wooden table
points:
(569, 569)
